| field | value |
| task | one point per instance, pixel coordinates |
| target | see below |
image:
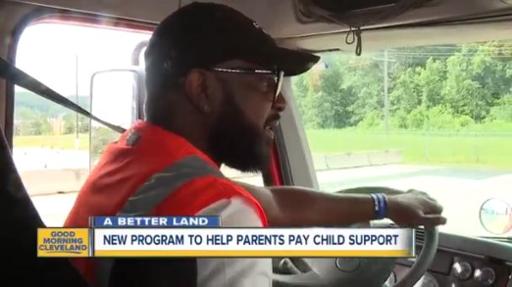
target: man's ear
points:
(196, 90)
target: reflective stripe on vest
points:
(162, 184)
(152, 193)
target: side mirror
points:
(117, 96)
(496, 216)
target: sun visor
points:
(354, 13)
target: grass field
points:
(53, 141)
(468, 149)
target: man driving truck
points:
(213, 79)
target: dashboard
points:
(459, 262)
(463, 262)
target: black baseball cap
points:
(202, 35)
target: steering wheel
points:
(356, 271)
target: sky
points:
(50, 52)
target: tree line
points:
(34, 115)
(437, 87)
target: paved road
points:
(30, 159)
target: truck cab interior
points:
(408, 94)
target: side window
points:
(52, 147)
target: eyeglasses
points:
(276, 74)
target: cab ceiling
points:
(435, 23)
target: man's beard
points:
(234, 141)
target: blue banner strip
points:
(154, 221)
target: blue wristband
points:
(376, 205)
(380, 205)
(384, 205)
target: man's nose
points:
(280, 103)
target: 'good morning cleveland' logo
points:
(62, 242)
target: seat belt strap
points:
(22, 79)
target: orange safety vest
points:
(151, 171)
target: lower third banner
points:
(253, 242)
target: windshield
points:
(436, 119)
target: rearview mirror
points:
(496, 216)
(117, 96)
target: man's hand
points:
(415, 208)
